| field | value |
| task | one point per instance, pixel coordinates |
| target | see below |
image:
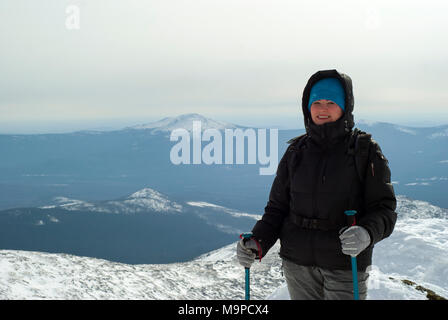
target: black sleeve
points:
(267, 230)
(379, 198)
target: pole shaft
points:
(247, 283)
(355, 279)
(247, 235)
(351, 217)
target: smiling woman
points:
(317, 183)
(327, 101)
(323, 111)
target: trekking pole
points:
(247, 297)
(351, 218)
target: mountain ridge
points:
(35, 168)
(170, 123)
(129, 229)
(184, 121)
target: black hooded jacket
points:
(316, 182)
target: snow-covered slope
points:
(418, 248)
(214, 207)
(225, 219)
(184, 121)
(416, 254)
(217, 275)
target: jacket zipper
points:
(324, 173)
(316, 183)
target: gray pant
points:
(314, 283)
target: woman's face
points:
(323, 111)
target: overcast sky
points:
(243, 61)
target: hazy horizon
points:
(279, 122)
(86, 64)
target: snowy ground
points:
(217, 275)
(417, 251)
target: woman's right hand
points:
(246, 251)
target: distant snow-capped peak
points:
(148, 198)
(147, 193)
(184, 121)
(144, 200)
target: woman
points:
(317, 181)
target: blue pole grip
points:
(246, 235)
(350, 212)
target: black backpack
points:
(358, 146)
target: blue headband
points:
(328, 89)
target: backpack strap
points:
(359, 146)
(299, 140)
(295, 144)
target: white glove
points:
(246, 251)
(354, 240)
